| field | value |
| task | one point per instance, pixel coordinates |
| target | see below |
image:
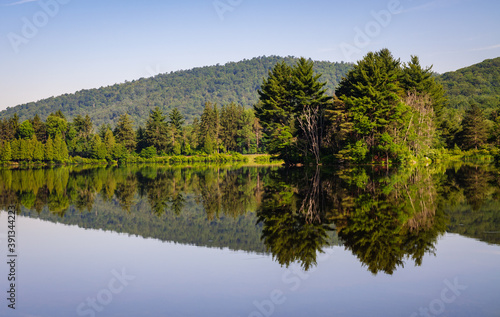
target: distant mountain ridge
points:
(477, 84)
(188, 90)
(238, 82)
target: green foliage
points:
(98, 148)
(422, 82)
(477, 84)
(49, 150)
(474, 130)
(124, 132)
(148, 152)
(292, 101)
(56, 125)
(38, 149)
(157, 133)
(39, 128)
(5, 151)
(389, 107)
(26, 130)
(176, 119)
(186, 90)
(60, 149)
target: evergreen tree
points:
(16, 150)
(38, 149)
(176, 119)
(124, 132)
(109, 144)
(40, 128)
(83, 126)
(156, 132)
(311, 99)
(6, 151)
(230, 120)
(103, 129)
(421, 81)
(12, 127)
(98, 148)
(372, 95)
(474, 129)
(291, 108)
(49, 150)
(208, 129)
(60, 149)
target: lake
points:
(250, 241)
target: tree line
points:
(225, 129)
(383, 111)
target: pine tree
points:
(98, 149)
(15, 150)
(474, 129)
(38, 149)
(372, 95)
(27, 148)
(209, 128)
(311, 101)
(230, 120)
(176, 119)
(420, 81)
(156, 132)
(6, 151)
(291, 109)
(60, 149)
(124, 132)
(109, 144)
(49, 150)
(40, 128)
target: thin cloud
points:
(492, 47)
(20, 2)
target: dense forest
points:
(186, 90)
(478, 84)
(382, 111)
(293, 213)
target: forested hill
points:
(477, 84)
(188, 90)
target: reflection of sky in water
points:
(60, 266)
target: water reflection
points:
(386, 218)
(294, 216)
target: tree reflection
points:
(386, 218)
(383, 218)
(293, 218)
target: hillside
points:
(187, 89)
(477, 84)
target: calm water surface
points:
(158, 241)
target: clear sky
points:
(51, 47)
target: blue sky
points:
(51, 47)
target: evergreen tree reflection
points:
(293, 216)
